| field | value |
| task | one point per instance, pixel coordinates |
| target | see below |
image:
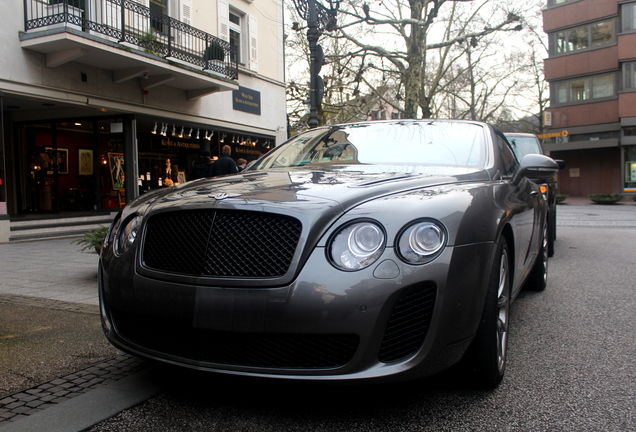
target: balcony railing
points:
(126, 21)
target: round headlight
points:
(127, 235)
(421, 242)
(357, 246)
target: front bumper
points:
(389, 320)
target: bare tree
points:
(405, 29)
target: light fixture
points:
(174, 130)
(154, 130)
(210, 137)
(181, 133)
(164, 129)
(222, 138)
(197, 134)
(206, 135)
(189, 135)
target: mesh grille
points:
(408, 323)
(277, 351)
(221, 243)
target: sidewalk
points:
(51, 269)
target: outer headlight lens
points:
(421, 242)
(126, 235)
(357, 246)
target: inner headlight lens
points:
(421, 242)
(127, 235)
(357, 246)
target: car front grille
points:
(224, 243)
(409, 323)
(177, 337)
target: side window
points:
(508, 159)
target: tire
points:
(551, 232)
(538, 279)
(486, 357)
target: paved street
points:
(571, 356)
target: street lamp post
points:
(318, 18)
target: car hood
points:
(300, 189)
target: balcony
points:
(131, 40)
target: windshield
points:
(442, 143)
(522, 145)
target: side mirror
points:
(536, 167)
(561, 164)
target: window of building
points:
(584, 89)
(602, 33)
(579, 90)
(235, 36)
(628, 17)
(558, 2)
(603, 86)
(630, 168)
(594, 136)
(583, 37)
(629, 131)
(629, 76)
(158, 8)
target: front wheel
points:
(551, 232)
(486, 357)
(538, 279)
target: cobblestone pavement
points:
(39, 397)
(59, 390)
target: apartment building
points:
(591, 121)
(102, 100)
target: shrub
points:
(92, 239)
(605, 198)
(214, 52)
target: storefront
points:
(81, 164)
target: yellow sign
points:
(563, 133)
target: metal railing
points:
(126, 21)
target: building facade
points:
(102, 100)
(591, 121)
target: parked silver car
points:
(377, 250)
(526, 143)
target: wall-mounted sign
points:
(563, 133)
(247, 100)
(547, 118)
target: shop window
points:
(630, 168)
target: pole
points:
(312, 37)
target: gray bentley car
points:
(376, 250)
